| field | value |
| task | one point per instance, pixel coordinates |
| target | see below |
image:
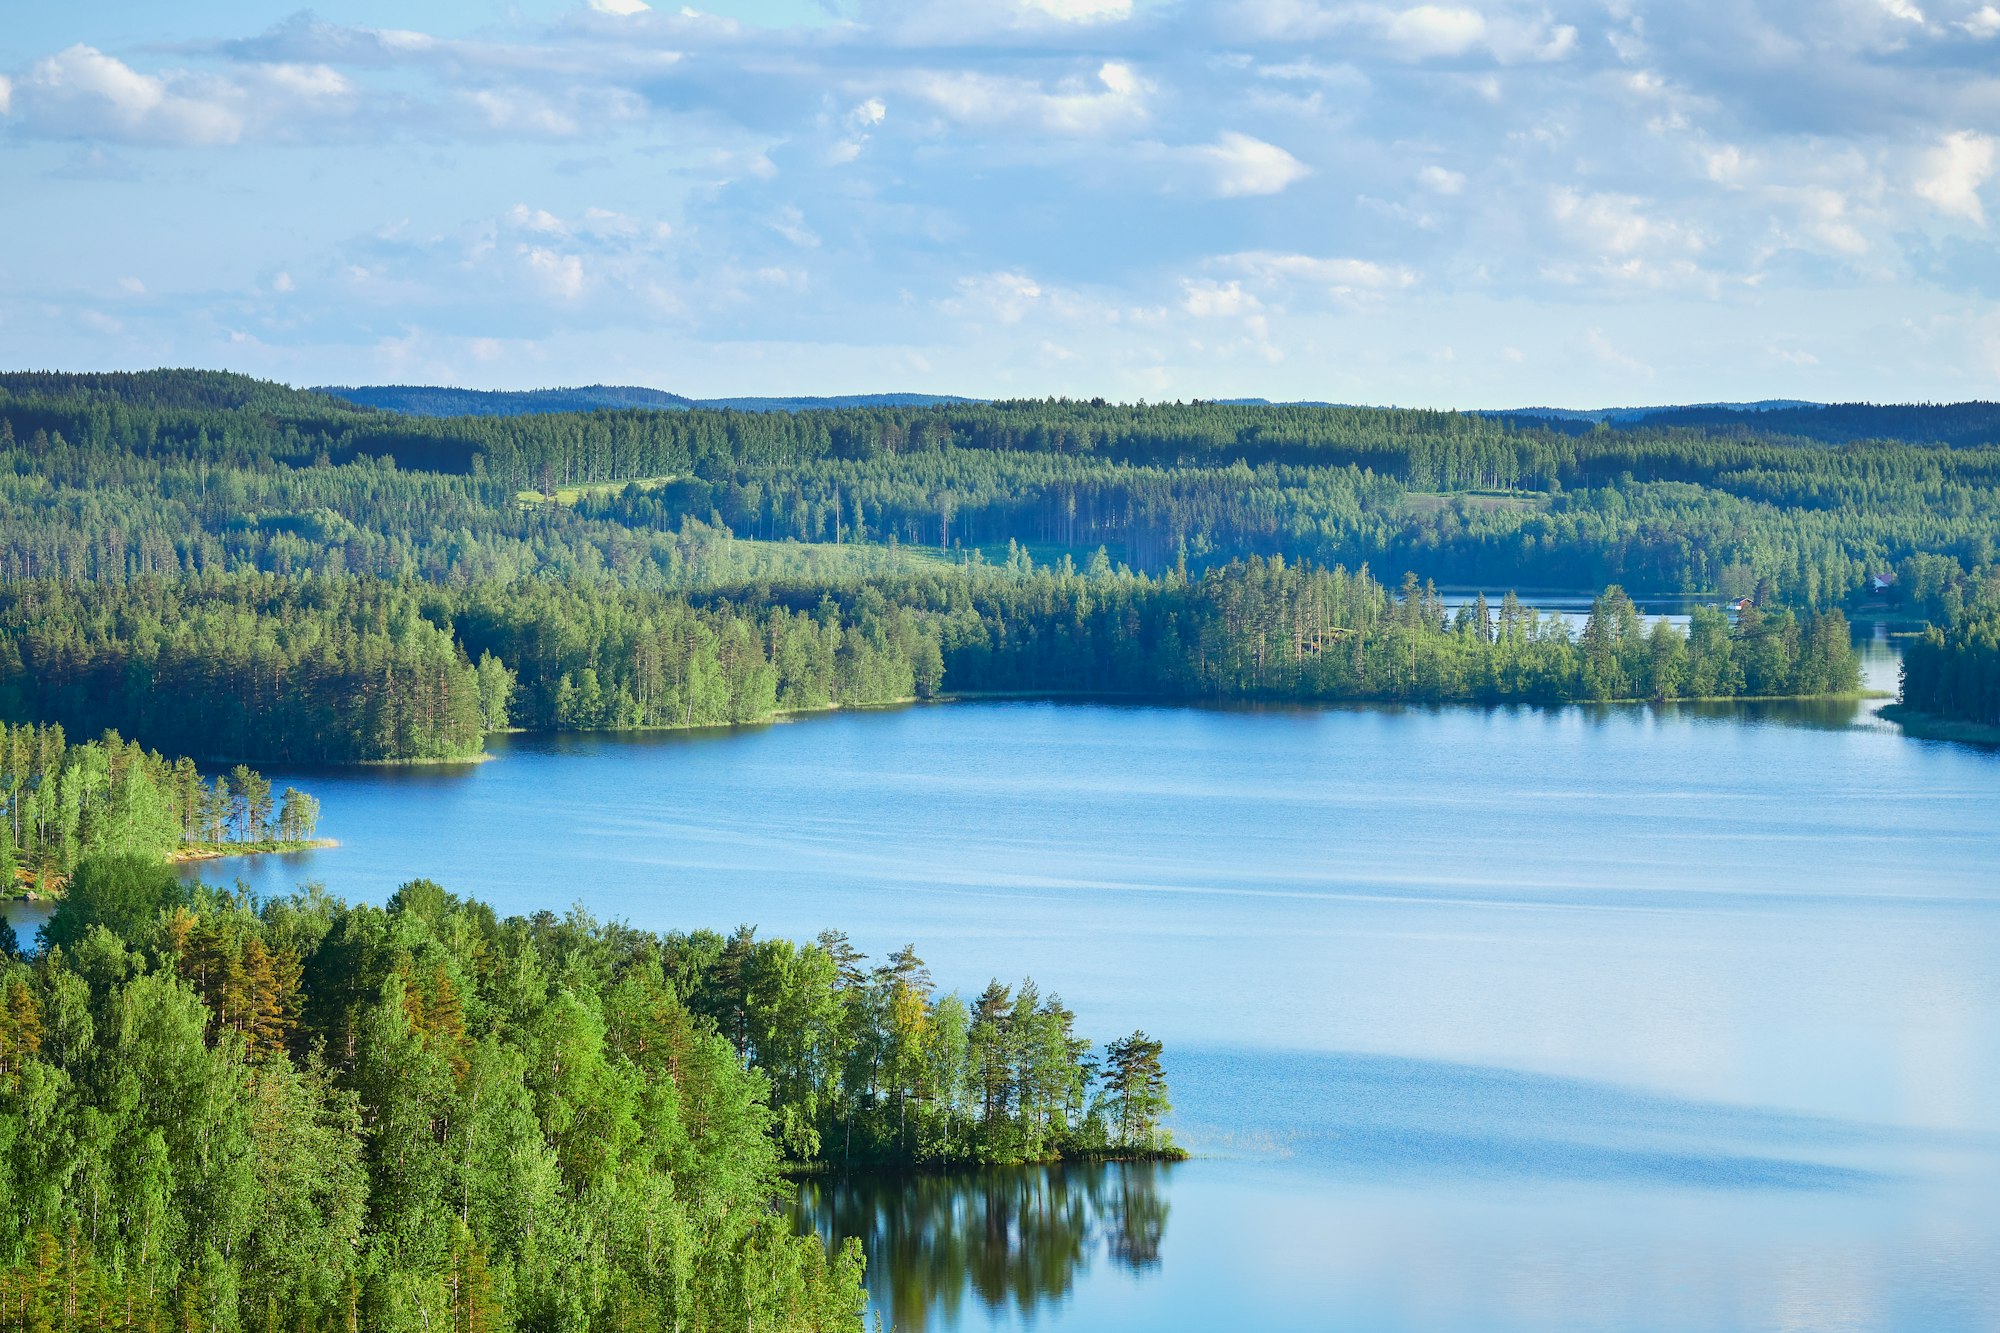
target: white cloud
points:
(1006, 297)
(1341, 278)
(132, 286)
(1239, 164)
(1949, 175)
(623, 8)
(283, 283)
(1207, 298)
(1441, 180)
(6, 94)
(537, 220)
(561, 275)
(1983, 22)
(309, 82)
(83, 93)
(1436, 30)
(1616, 224)
(1114, 99)
(1082, 11)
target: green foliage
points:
(229, 1114)
(122, 892)
(1954, 673)
(304, 683)
(61, 802)
(180, 473)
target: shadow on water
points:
(1012, 1240)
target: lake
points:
(1596, 1018)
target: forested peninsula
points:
(238, 571)
(61, 803)
(224, 1113)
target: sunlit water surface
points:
(1483, 1019)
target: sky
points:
(1475, 203)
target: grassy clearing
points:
(1430, 502)
(569, 495)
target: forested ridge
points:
(176, 471)
(224, 1113)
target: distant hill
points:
(421, 400)
(1956, 424)
(1624, 414)
(201, 390)
(843, 400)
(429, 401)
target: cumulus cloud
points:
(1112, 98)
(1241, 164)
(83, 93)
(871, 162)
(1441, 180)
(1436, 30)
(1951, 174)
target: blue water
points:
(1618, 1018)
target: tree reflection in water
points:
(1014, 1237)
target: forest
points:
(62, 802)
(181, 472)
(1952, 672)
(315, 669)
(242, 572)
(224, 1113)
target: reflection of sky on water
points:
(1514, 1018)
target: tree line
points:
(224, 1113)
(271, 669)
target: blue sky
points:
(1468, 203)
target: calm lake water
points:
(1483, 1019)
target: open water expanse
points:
(1483, 1019)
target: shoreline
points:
(1093, 1157)
(1931, 727)
(223, 851)
(186, 854)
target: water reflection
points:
(1013, 1240)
